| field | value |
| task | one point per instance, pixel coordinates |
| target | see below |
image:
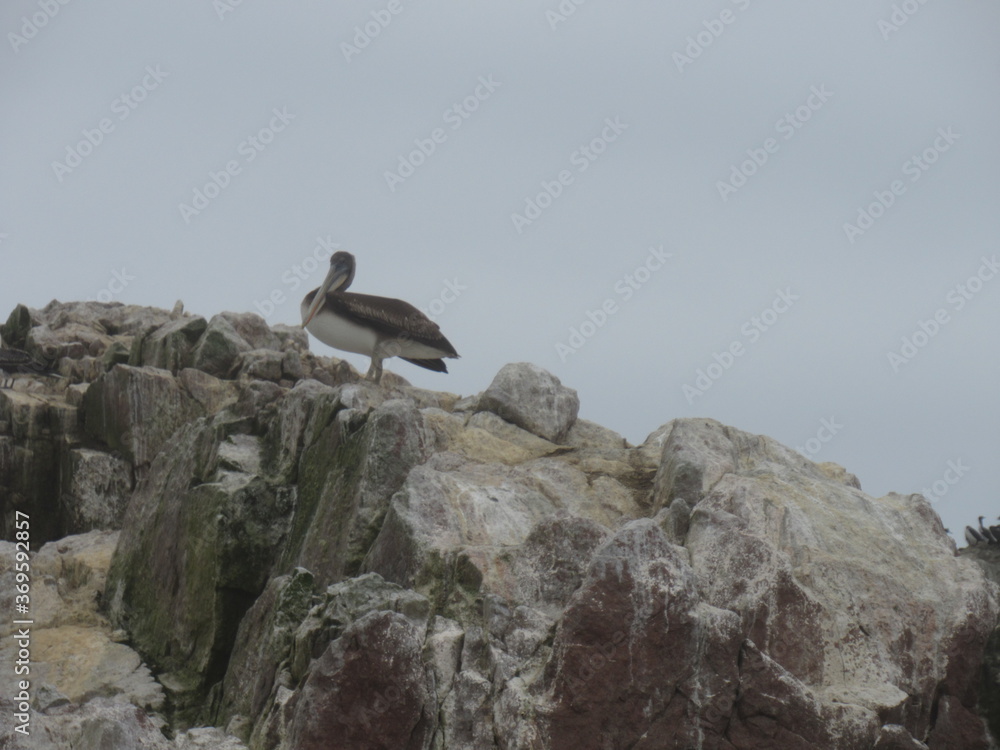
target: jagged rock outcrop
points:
(305, 558)
(90, 691)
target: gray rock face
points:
(135, 410)
(100, 486)
(229, 526)
(303, 559)
(171, 346)
(220, 348)
(533, 399)
(89, 691)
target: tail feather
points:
(437, 365)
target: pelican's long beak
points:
(335, 277)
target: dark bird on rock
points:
(985, 533)
(16, 361)
(972, 536)
(380, 327)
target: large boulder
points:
(219, 349)
(533, 399)
(135, 410)
(171, 345)
(859, 599)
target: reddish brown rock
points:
(637, 660)
(368, 691)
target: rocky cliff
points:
(240, 544)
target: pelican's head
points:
(340, 276)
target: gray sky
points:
(511, 168)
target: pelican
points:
(17, 361)
(380, 327)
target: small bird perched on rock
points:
(17, 361)
(984, 534)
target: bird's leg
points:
(382, 350)
(375, 369)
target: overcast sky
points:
(779, 215)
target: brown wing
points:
(390, 317)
